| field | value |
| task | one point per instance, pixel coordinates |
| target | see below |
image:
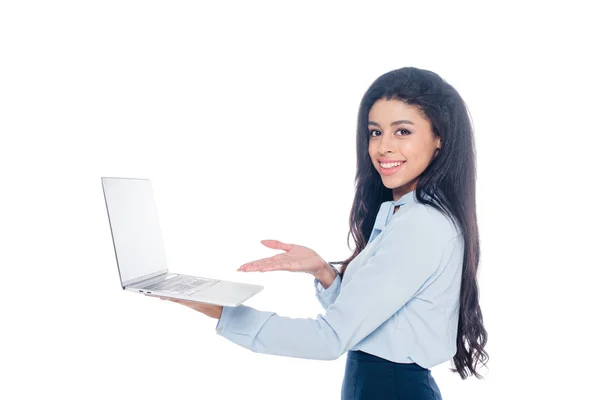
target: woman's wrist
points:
(326, 275)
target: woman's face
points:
(398, 133)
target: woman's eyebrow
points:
(402, 121)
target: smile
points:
(388, 169)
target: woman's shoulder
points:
(426, 218)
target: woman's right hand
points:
(296, 259)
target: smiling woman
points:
(413, 144)
(407, 299)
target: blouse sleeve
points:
(327, 296)
(409, 253)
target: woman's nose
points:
(386, 144)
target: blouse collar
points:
(386, 211)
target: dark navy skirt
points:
(370, 377)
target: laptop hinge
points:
(144, 278)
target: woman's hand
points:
(296, 259)
(212, 310)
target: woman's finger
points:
(252, 266)
(285, 266)
(276, 244)
(262, 261)
(281, 266)
(259, 266)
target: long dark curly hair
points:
(449, 181)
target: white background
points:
(243, 116)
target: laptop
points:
(140, 253)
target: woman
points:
(407, 299)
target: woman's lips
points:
(390, 171)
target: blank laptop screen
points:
(135, 229)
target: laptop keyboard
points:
(181, 284)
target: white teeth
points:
(390, 165)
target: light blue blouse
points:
(399, 298)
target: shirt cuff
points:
(241, 324)
(328, 296)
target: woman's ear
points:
(438, 144)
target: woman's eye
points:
(405, 132)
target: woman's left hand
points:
(212, 310)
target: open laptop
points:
(140, 252)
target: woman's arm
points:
(327, 286)
(409, 253)
(326, 276)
